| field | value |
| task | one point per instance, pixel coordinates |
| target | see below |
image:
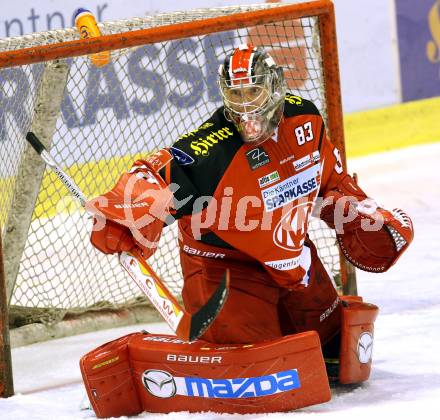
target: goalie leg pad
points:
(357, 332)
(171, 375)
(109, 381)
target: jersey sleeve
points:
(334, 176)
(331, 165)
(335, 181)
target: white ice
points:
(405, 381)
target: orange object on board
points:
(88, 28)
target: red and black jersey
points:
(255, 199)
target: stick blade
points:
(205, 316)
(35, 142)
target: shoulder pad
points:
(215, 122)
(295, 105)
(203, 141)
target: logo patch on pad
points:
(164, 385)
(365, 347)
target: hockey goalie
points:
(242, 188)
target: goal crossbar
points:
(322, 8)
(163, 33)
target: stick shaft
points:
(68, 182)
(147, 280)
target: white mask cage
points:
(254, 104)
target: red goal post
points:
(111, 115)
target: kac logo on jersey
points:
(182, 158)
(290, 232)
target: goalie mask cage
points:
(159, 84)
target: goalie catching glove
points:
(370, 237)
(132, 214)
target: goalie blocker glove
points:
(370, 237)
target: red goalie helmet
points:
(253, 91)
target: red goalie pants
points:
(257, 308)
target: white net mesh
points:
(144, 99)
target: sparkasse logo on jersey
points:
(291, 189)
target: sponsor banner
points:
(367, 39)
(257, 158)
(269, 179)
(200, 253)
(162, 384)
(306, 161)
(181, 157)
(160, 339)
(27, 16)
(284, 265)
(418, 31)
(119, 96)
(291, 189)
(154, 292)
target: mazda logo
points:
(159, 383)
(365, 347)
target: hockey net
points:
(160, 84)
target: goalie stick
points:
(187, 326)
